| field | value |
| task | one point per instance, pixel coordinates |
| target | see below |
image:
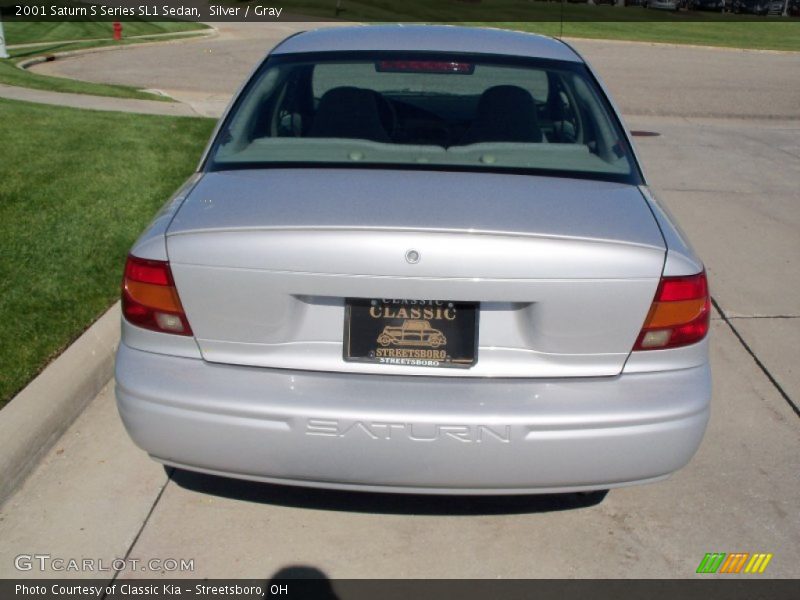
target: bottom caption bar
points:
(321, 588)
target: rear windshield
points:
(425, 111)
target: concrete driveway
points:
(726, 161)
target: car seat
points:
(349, 112)
(505, 113)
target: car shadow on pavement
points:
(381, 503)
(315, 583)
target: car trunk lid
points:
(563, 270)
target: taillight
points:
(679, 314)
(149, 297)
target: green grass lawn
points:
(19, 32)
(580, 20)
(76, 189)
(46, 48)
(763, 35)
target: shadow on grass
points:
(380, 503)
(21, 53)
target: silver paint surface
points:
(564, 271)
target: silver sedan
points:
(418, 259)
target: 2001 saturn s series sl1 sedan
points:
(417, 259)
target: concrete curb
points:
(678, 45)
(25, 63)
(36, 417)
(187, 33)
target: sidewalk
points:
(149, 107)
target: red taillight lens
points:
(149, 297)
(679, 314)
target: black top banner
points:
(429, 11)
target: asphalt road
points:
(731, 180)
(645, 79)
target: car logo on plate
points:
(412, 257)
(413, 332)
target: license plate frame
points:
(415, 333)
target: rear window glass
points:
(329, 76)
(425, 111)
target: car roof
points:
(433, 38)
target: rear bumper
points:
(412, 434)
